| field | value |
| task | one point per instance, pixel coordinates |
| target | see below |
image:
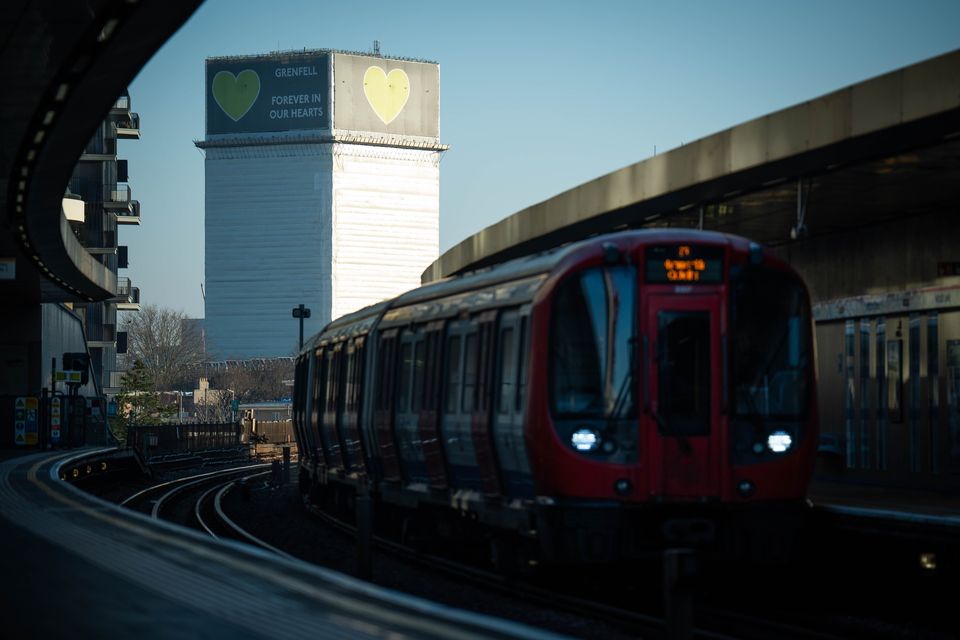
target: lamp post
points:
(301, 312)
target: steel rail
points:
(237, 529)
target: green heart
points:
(236, 94)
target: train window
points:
(357, 373)
(469, 373)
(590, 344)
(319, 389)
(507, 371)
(418, 371)
(385, 372)
(403, 390)
(770, 345)
(453, 374)
(333, 370)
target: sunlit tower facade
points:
(322, 188)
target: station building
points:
(322, 189)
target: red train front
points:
(672, 373)
(634, 390)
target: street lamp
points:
(301, 312)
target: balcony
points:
(108, 337)
(99, 150)
(131, 216)
(121, 106)
(118, 199)
(128, 128)
(128, 296)
(74, 208)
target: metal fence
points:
(164, 439)
(279, 432)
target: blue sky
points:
(535, 97)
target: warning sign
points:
(32, 420)
(55, 420)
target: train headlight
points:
(585, 439)
(779, 441)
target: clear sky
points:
(535, 97)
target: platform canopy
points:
(886, 147)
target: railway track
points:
(196, 501)
(716, 613)
(635, 607)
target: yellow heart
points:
(387, 93)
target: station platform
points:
(871, 502)
(77, 566)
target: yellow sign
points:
(387, 93)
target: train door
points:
(429, 415)
(507, 421)
(333, 406)
(458, 399)
(682, 395)
(480, 422)
(318, 394)
(383, 405)
(349, 418)
(410, 380)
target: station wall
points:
(896, 255)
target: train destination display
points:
(686, 264)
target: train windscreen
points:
(590, 345)
(770, 344)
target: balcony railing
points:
(128, 128)
(124, 288)
(107, 336)
(128, 296)
(99, 147)
(132, 216)
(122, 103)
(117, 197)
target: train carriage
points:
(627, 392)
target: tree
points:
(259, 380)
(138, 401)
(168, 344)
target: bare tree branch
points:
(170, 348)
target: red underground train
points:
(632, 391)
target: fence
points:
(279, 432)
(164, 439)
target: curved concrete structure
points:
(904, 109)
(64, 64)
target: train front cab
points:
(679, 382)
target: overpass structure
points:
(877, 150)
(63, 65)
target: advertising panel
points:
(282, 92)
(373, 94)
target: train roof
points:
(525, 274)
